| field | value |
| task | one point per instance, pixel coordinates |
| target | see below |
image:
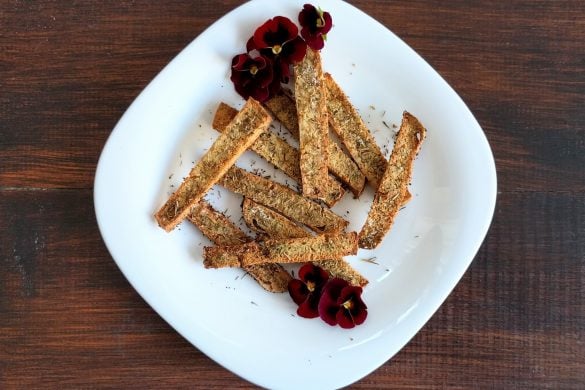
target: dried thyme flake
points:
(370, 260)
(385, 124)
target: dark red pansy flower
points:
(342, 304)
(306, 290)
(278, 37)
(315, 24)
(252, 76)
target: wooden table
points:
(69, 318)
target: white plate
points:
(231, 319)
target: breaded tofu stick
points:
(283, 200)
(245, 128)
(313, 125)
(351, 130)
(289, 250)
(279, 153)
(265, 221)
(392, 191)
(340, 164)
(221, 231)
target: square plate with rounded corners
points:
(228, 316)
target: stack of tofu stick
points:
(293, 227)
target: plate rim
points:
(438, 300)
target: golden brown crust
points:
(346, 170)
(284, 108)
(250, 122)
(313, 126)
(340, 164)
(224, 114)
(279, 153)
(392, 191)
(272, 277)
(351, 130)
(216, 226)
(343, 270)
(283, 200)
(292, 250)
(221, 231)
(267, 222)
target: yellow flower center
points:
(348, 304)
(276, 49)
(254, 70)
(320, 22)
(311, 286)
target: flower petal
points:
(252, 76)
(315, 24)
(311, 272)
(294, 50)
(349, 293)
(241, 62)
(275, 31)
(358, 311)
(260, 94)
(250, 45)
(344, 319)
(309, 308)
(328, 309)
(329, 305)
(275, 86)
(334, 287)
(308, 17)
(359, 315)
(328, 23)
(281, 70)
(298, 291)
(315, 42)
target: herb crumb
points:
(370, 260)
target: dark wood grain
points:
(68, 317)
